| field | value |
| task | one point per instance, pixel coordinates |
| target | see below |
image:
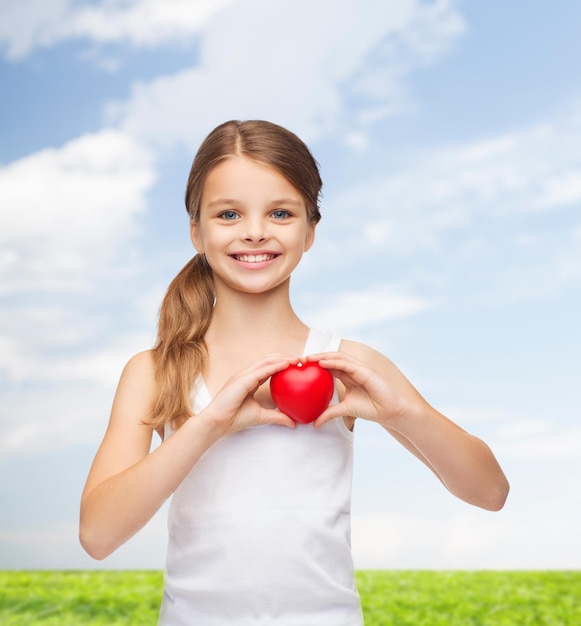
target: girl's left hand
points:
(375, 389)
(368, 394)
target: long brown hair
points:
(180, 351)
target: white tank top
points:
(259, 530)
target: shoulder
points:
(141, 364)
(138, 376)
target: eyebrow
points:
(222, 202)
(290, 201)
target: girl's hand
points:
(367, 394)
(376, 390)
(234, 407)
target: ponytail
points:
(180, 351)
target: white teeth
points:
(254, 258)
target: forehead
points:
(241, 178)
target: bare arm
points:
(376, 390)
(127, 484)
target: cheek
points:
(204, 237)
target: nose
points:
(256, 231)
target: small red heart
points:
(302, 391)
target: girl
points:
(259, 524)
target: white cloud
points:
(518, 437)
(59, 399)
(29, 24)
(141, 22)
(529, 172)
(526, 444)
(67, 228)
(407, 541)
(56, 545)
(30, 358)
(524, 428)
(468, 539)
(53, 418)
(353, 309)
(101, 365)
(357, 141)
(66, 212)
(275, 61)
(49, 542)
(465, 540)
(489, 221)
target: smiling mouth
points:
(254, 258)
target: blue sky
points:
(449, 138)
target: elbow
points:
(94, 548)
(490, 498)
(504, 495)
(497, 496)
(93, 543)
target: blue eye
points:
(280, 214)
(228, 215)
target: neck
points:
(243, 317)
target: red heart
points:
(302, 391)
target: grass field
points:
(390, 598)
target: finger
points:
(275, 362)
(344, 377)
(346, 370)
(337, 363)
(269, 366)
(336, 354)
(262, 370)
(332, 412)
(318, 356)
(272, 416)
(340, 360)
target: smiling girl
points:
(259, 523)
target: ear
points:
(310, 235)
(195, 236)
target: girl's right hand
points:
(234, 407)
(127, 483)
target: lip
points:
(254, 259)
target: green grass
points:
(421, 598)
(390, 598)
(99, 598)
